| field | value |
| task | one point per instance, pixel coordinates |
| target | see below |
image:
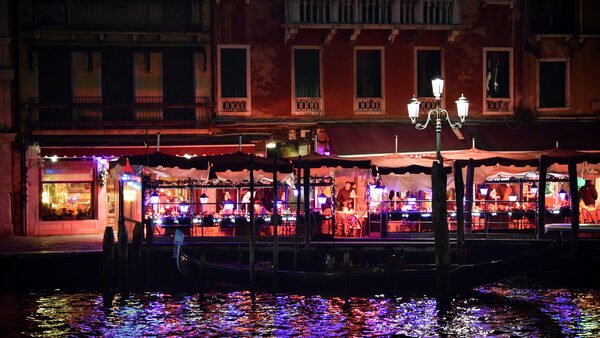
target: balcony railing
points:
(118, 15)
(373, 12)
(369, 106)
(496, 105)
(307, 106)
(93, 113)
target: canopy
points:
(335, 166)
(162, 165)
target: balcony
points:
(92, 113)
(369, 106)
(373, 14)
(307, 106)
(118, 15)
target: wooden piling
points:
(460, 222)
(108, 258)
(252, 238)
(136, 252)
(440, 229)
(275, 217)
(298, 197)
(122, 246)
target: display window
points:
(67, 191)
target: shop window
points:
(306, 79)
(368, 81)
(552, 83)
(234, 79)
(429, 67)
(67, 193)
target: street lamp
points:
(438, 114)
(440, 227)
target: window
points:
(117, 85)
(178, 83)
(368, 73)
(429, 67)
(67, 192)
(306, 77)
(54, 84)
(234, 79)
(368, 81)
(497, 80)
(552, 83)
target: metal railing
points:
(373, 12)
(117, 15)
(95, 113)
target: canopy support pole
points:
(469, 195)
(543, 167)
(275, 217)
(574, 192)
(298, 197)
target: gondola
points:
(406, 279)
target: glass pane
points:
(67, 201)
(368, 73)
(233, 72)
(498, 75)
(552, 84)
(429, 67)
(307, 73)
(57, 174)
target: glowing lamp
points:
(322, 198)
(512, 197)
(203, 198)
(296, 192)
(563, 194)
(462, 106)
(379, 187)
(129, 195)
(438, 87)
(411, 200)
(271, 145)
(483, 190)
(413, 109)
(228, 206)
(154, 198)
(184, 207)
(534, 189)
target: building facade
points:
(97, 79)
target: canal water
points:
(494, 310)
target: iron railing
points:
(119, 15)
(94, 113)
(373, 12)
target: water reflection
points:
(494, 310)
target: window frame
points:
(248, 98)
(511, 80)
(428, 99)
(381, 50)
(567, 106)
(93, 191)
(293, 81)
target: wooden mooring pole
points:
(108, 259)
(440, 228)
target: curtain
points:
(307, 73)
(368, 73)
(498, 75)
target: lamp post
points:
(438, 178)
(438, 114)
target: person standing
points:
(588, 196)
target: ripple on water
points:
(495, 310)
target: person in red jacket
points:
(588, 196)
